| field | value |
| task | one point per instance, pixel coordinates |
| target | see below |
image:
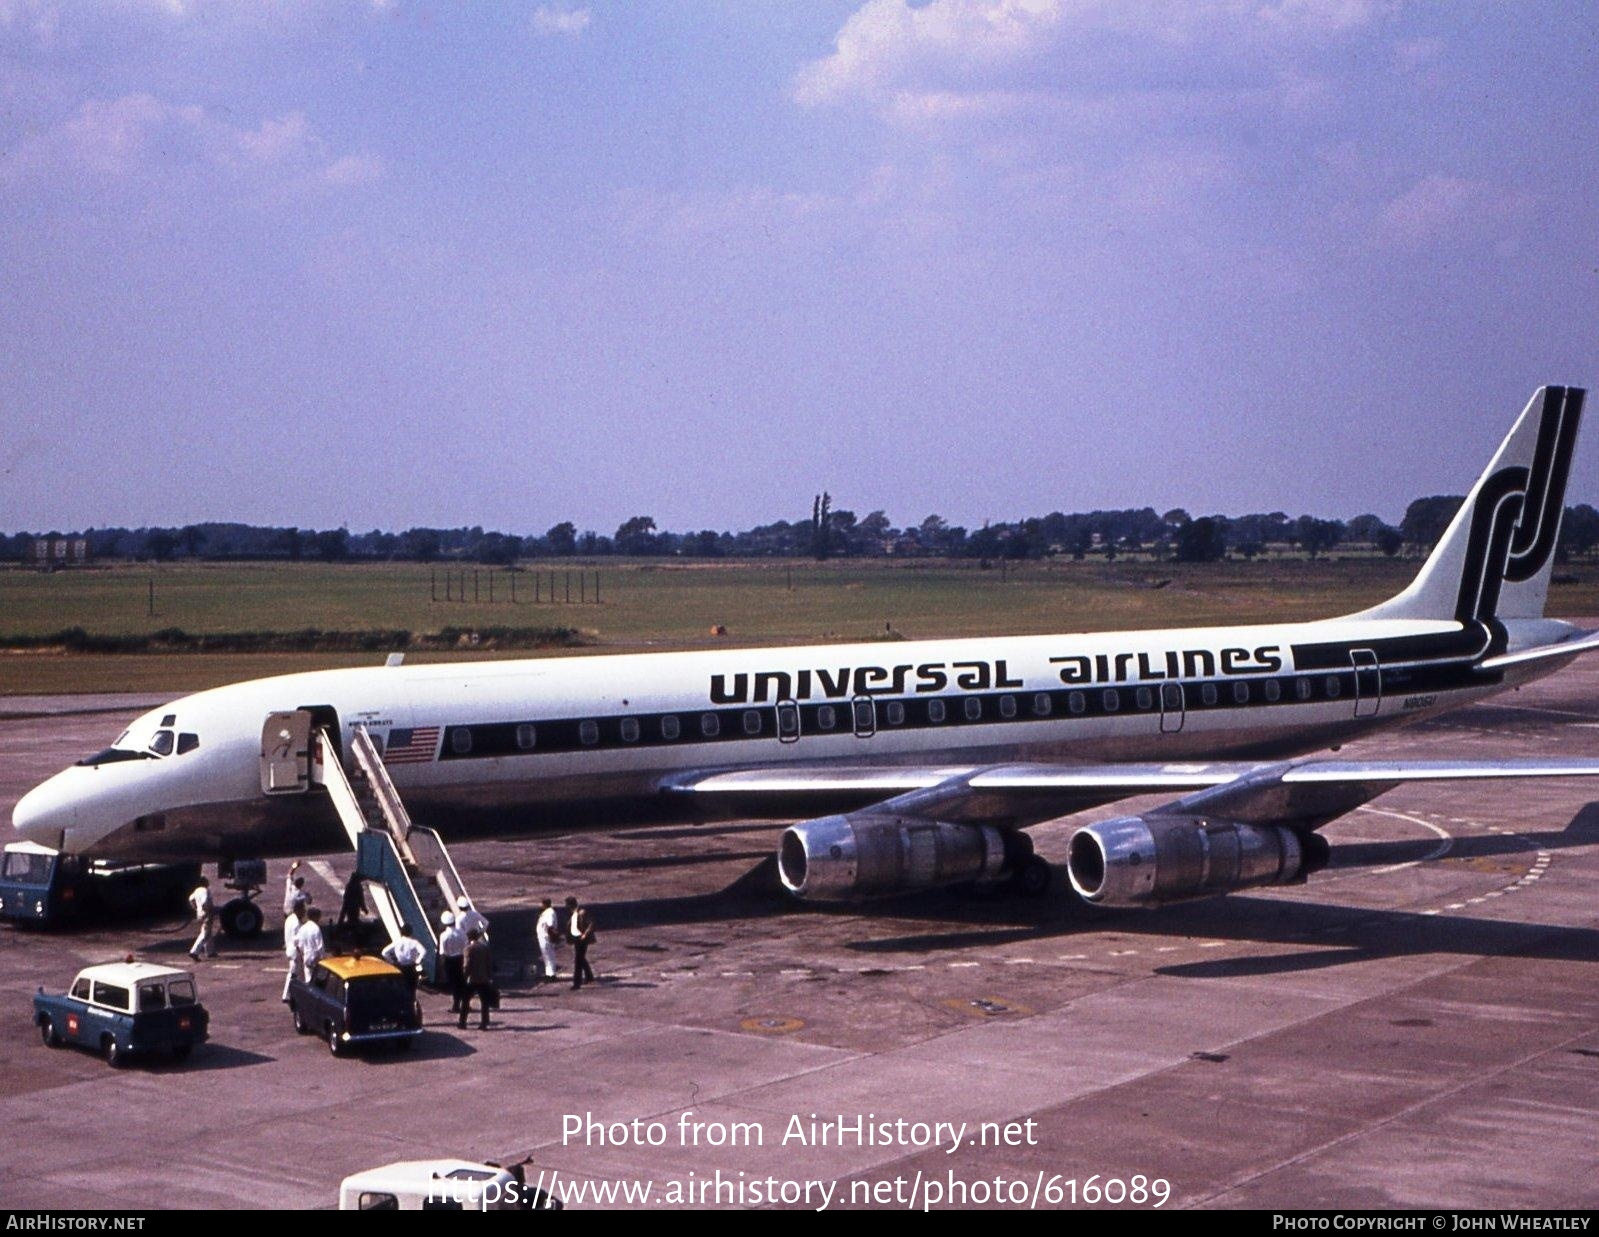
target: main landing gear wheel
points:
(242, 918)
(1033, 878)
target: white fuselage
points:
(501, 746)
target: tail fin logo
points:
(1515, 520)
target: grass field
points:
(652, 605)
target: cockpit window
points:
(171, 719)
(161, 745)
(111, 755)
(187, 743)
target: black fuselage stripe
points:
(550, 736)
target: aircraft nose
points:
(46, 812)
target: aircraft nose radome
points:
(44, 814)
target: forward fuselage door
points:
(286, 753)
(1172, 707)
(1368, 682)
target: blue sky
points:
(389, 263)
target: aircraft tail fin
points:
(1495, 559)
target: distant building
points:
(60, 551)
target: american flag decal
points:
(411, 747)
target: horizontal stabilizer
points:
(1583, 642)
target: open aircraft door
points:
(286, 753)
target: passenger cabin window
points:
(1302, 689)
(1042, 705)
(1076, 702)
(670, 728)
(460, 741)
(752, 721)
(1240, 693)
(1007, 706)
(935, 711)
(1208, 694)
(894, 713)
(161, 745)
(710, 725)
(865, 716)
(113, 995)
(826, 717)
(630, 730)
(527, 736)
(973, 708)
(1111, 700)
(588, 733)
(1334, 687)
(1144, 698)
(1273, 690)
(187, 743)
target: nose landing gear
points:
(242, 917)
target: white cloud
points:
(141, 136)
(888, 47)
(554, 21)
(354, 170)
(1441, 209)
(888, 42)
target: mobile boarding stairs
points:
(410, 877)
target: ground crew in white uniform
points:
(548, 932)
(205, 914)
(308, 944)
(294, 889)
(469, 918)
(452, 948)
(291, 925)
(407, 953)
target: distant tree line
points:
(829, 532)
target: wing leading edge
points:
(1016, 795)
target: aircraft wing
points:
(1311, 791)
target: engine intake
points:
(1148, 860)
(840, 858)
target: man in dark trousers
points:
(407, 954)
(580, 931)
(452, 948)
(479, 977)
(352, 906)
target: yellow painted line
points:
(772, 1026)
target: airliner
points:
(903, 766)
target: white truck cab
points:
(443, 1185)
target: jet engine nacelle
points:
(1147, 860)
(840, 858)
